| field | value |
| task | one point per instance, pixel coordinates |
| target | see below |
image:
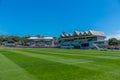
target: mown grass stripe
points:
(59, 71)
(77, 51)
(52, 58)
(92, 65)
(11, 71)
(75, 62)
(91, 60)
(107, 65)
(73, 55)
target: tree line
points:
(14, 39)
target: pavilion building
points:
(41, 41)
(83, 40)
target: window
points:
(85, 45)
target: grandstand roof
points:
(33, 38)
(88, 33)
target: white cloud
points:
(114, 35)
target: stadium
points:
(59, 39)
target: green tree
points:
(113, 41)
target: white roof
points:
(62, 35)
(97, 33)
(32, 38)
(77, 32)
(90, 32)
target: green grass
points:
(58, 64)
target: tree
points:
(119, 42)
(24, 40)
(113, 41)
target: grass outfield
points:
(58, 64)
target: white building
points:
(83, 40)
(41, 41)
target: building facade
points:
(83, 40)
(41, 41)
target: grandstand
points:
(84, 40)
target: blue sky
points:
(52, 17)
